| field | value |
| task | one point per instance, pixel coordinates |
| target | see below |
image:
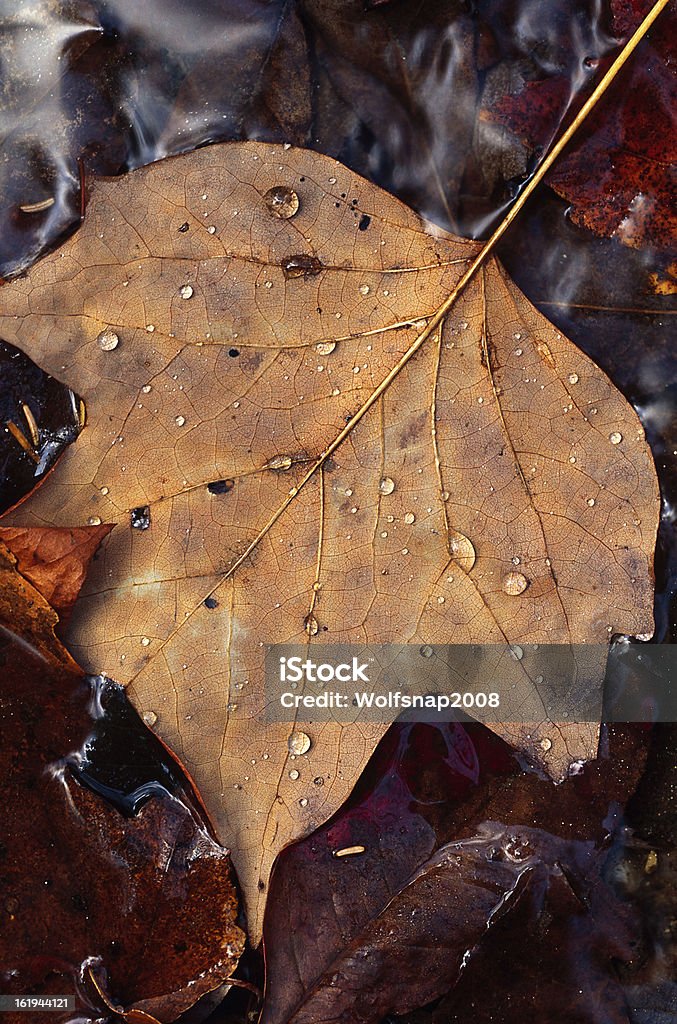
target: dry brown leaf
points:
(246, 342)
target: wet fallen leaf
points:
(446, 915)
(426, 786)
(557, 954)
(619, 174)
(268, 486)
(54, 560)
(113, 888)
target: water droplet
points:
(516, 847)
(146, 389)
(440, 599)
(573, 378)
(186, 292)
(298, 743)
(364, 289)
(293, 774)
(546, 743)
(280, 462)
(318, 781)
(310, 625)
(325, 348)
(150, 328)
(518, 351)
(387, 485)
(149, 717)
(301, 266)
(282, 201)
(515, 583)
(211, 229)
(410, 518)
(220, 486)
(516, 652)
(108, 340)
(94, 521)
(445, 495)
(179, 420)
(303, 802)
(615, 437)
(145, 641)
(590, 502)
(461, 550)
(104, 490)
(515, 560)
(426, 651)
(140, 517)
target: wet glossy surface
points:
(39, 418)
(404, 94)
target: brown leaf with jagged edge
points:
(221, 336)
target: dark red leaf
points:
(338, 892)
(619, 173)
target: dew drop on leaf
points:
(282, 202)
(140, 517)
(108, 340)
(515, 583)
(298, 743)
(280, 462)
(387, 485)
(461, 550)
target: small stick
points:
(21, 439)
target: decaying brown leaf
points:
(499, 489)
(55, 561)
(114, 889)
